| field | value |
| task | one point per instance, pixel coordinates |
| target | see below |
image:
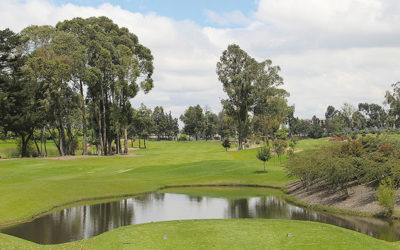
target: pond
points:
(83, 222)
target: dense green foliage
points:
(369, 159)
(387, 196)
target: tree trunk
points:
(117, 144)
(84, 142)
(61, 140)
(100, 150)
(71, 147)
(24, 145)
(144, 142)
(37, 148)
(266, 136)
(264, 168)
(139, 142)
(41, 140)
(125, 140)
(109, 143)
(53, 136)
(45, 146)
(120, 145)
(104, 120)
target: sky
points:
(330, 52)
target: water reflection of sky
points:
(86, 221)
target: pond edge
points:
(286, 193)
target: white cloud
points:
(330, 52)
(324, 77)
(332, 15)
(333, 23)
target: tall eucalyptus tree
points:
(122, 67)
(251, 87)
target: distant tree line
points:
(349, 120)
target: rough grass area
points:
(219, 234)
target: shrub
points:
(363, 133)
(387, 149)
(226, 144)
(387, 196)
(264, 154)
(369, 160)
(183, 137)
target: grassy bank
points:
(219, 234)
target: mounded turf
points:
(219, 234)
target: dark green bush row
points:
(366, 160)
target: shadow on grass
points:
(260, 172)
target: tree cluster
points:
(201, 123)
(76, 77)
(145, 122)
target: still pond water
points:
(83, 222)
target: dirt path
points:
(259, 146)
(70, 157)
(250, 147)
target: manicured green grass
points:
(219, 234)
(29, 186)
(8, 149)
(32, 185)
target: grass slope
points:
(32, 185)
(219, 234)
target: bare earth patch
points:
(361, 198)
(250, 147)
(70, 157)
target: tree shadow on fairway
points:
(260, 172)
